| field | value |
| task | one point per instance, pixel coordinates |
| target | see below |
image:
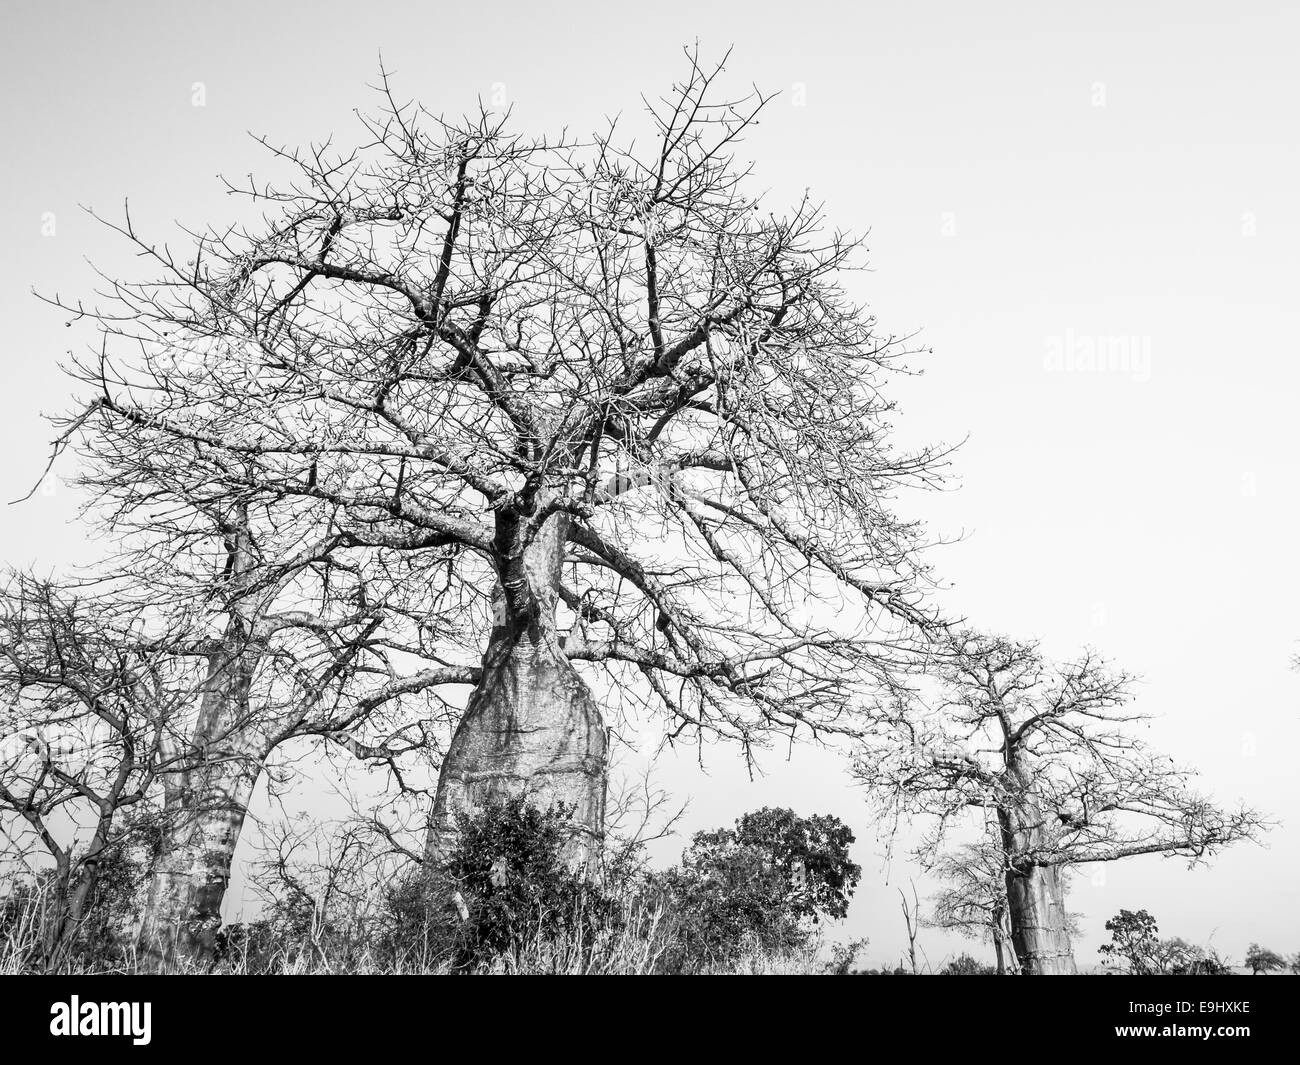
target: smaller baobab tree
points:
(1047, 751)
(324, 673)
(295, 632)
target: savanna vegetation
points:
(466, 456)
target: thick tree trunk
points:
(1035, 899)
(1038, 931)
(203, 816)
(531, 727)
(205, 804)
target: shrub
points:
(965, 965)
(763, 886)
(508, 864)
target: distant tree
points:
(843, 955)
(1262, 960)
(974, 899)
(1135, 941)
(1047, 751)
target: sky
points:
(1089, 215)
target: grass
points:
(634, 941)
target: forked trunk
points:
(203, 816)
(66, 910)
(531, 727)
(1035, 898)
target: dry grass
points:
(632, 942)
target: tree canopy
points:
(455, 338)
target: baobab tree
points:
(268, 677)
(120, 717)
(273, 675)
(631, 408)
(295, 634)
(1047, 752)
(281, 640)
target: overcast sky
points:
(1037, 185)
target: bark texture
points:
(1038, 929)
(203, 815)
(531, 727)
(1035, 898)
(205, 804)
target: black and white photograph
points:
(745, 489)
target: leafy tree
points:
(812, 852)
(1262, 960)
(1134, 941)
(764, 884)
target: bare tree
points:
(261, 676)
(270, 677)
(974, 900)
(296, 632)
(634, 413)
(1049, 753)
(88, 699)
(912, 919)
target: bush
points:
(965, 965)
(1202, 963)
(762, 887)
(33, 907)
(508, 866)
